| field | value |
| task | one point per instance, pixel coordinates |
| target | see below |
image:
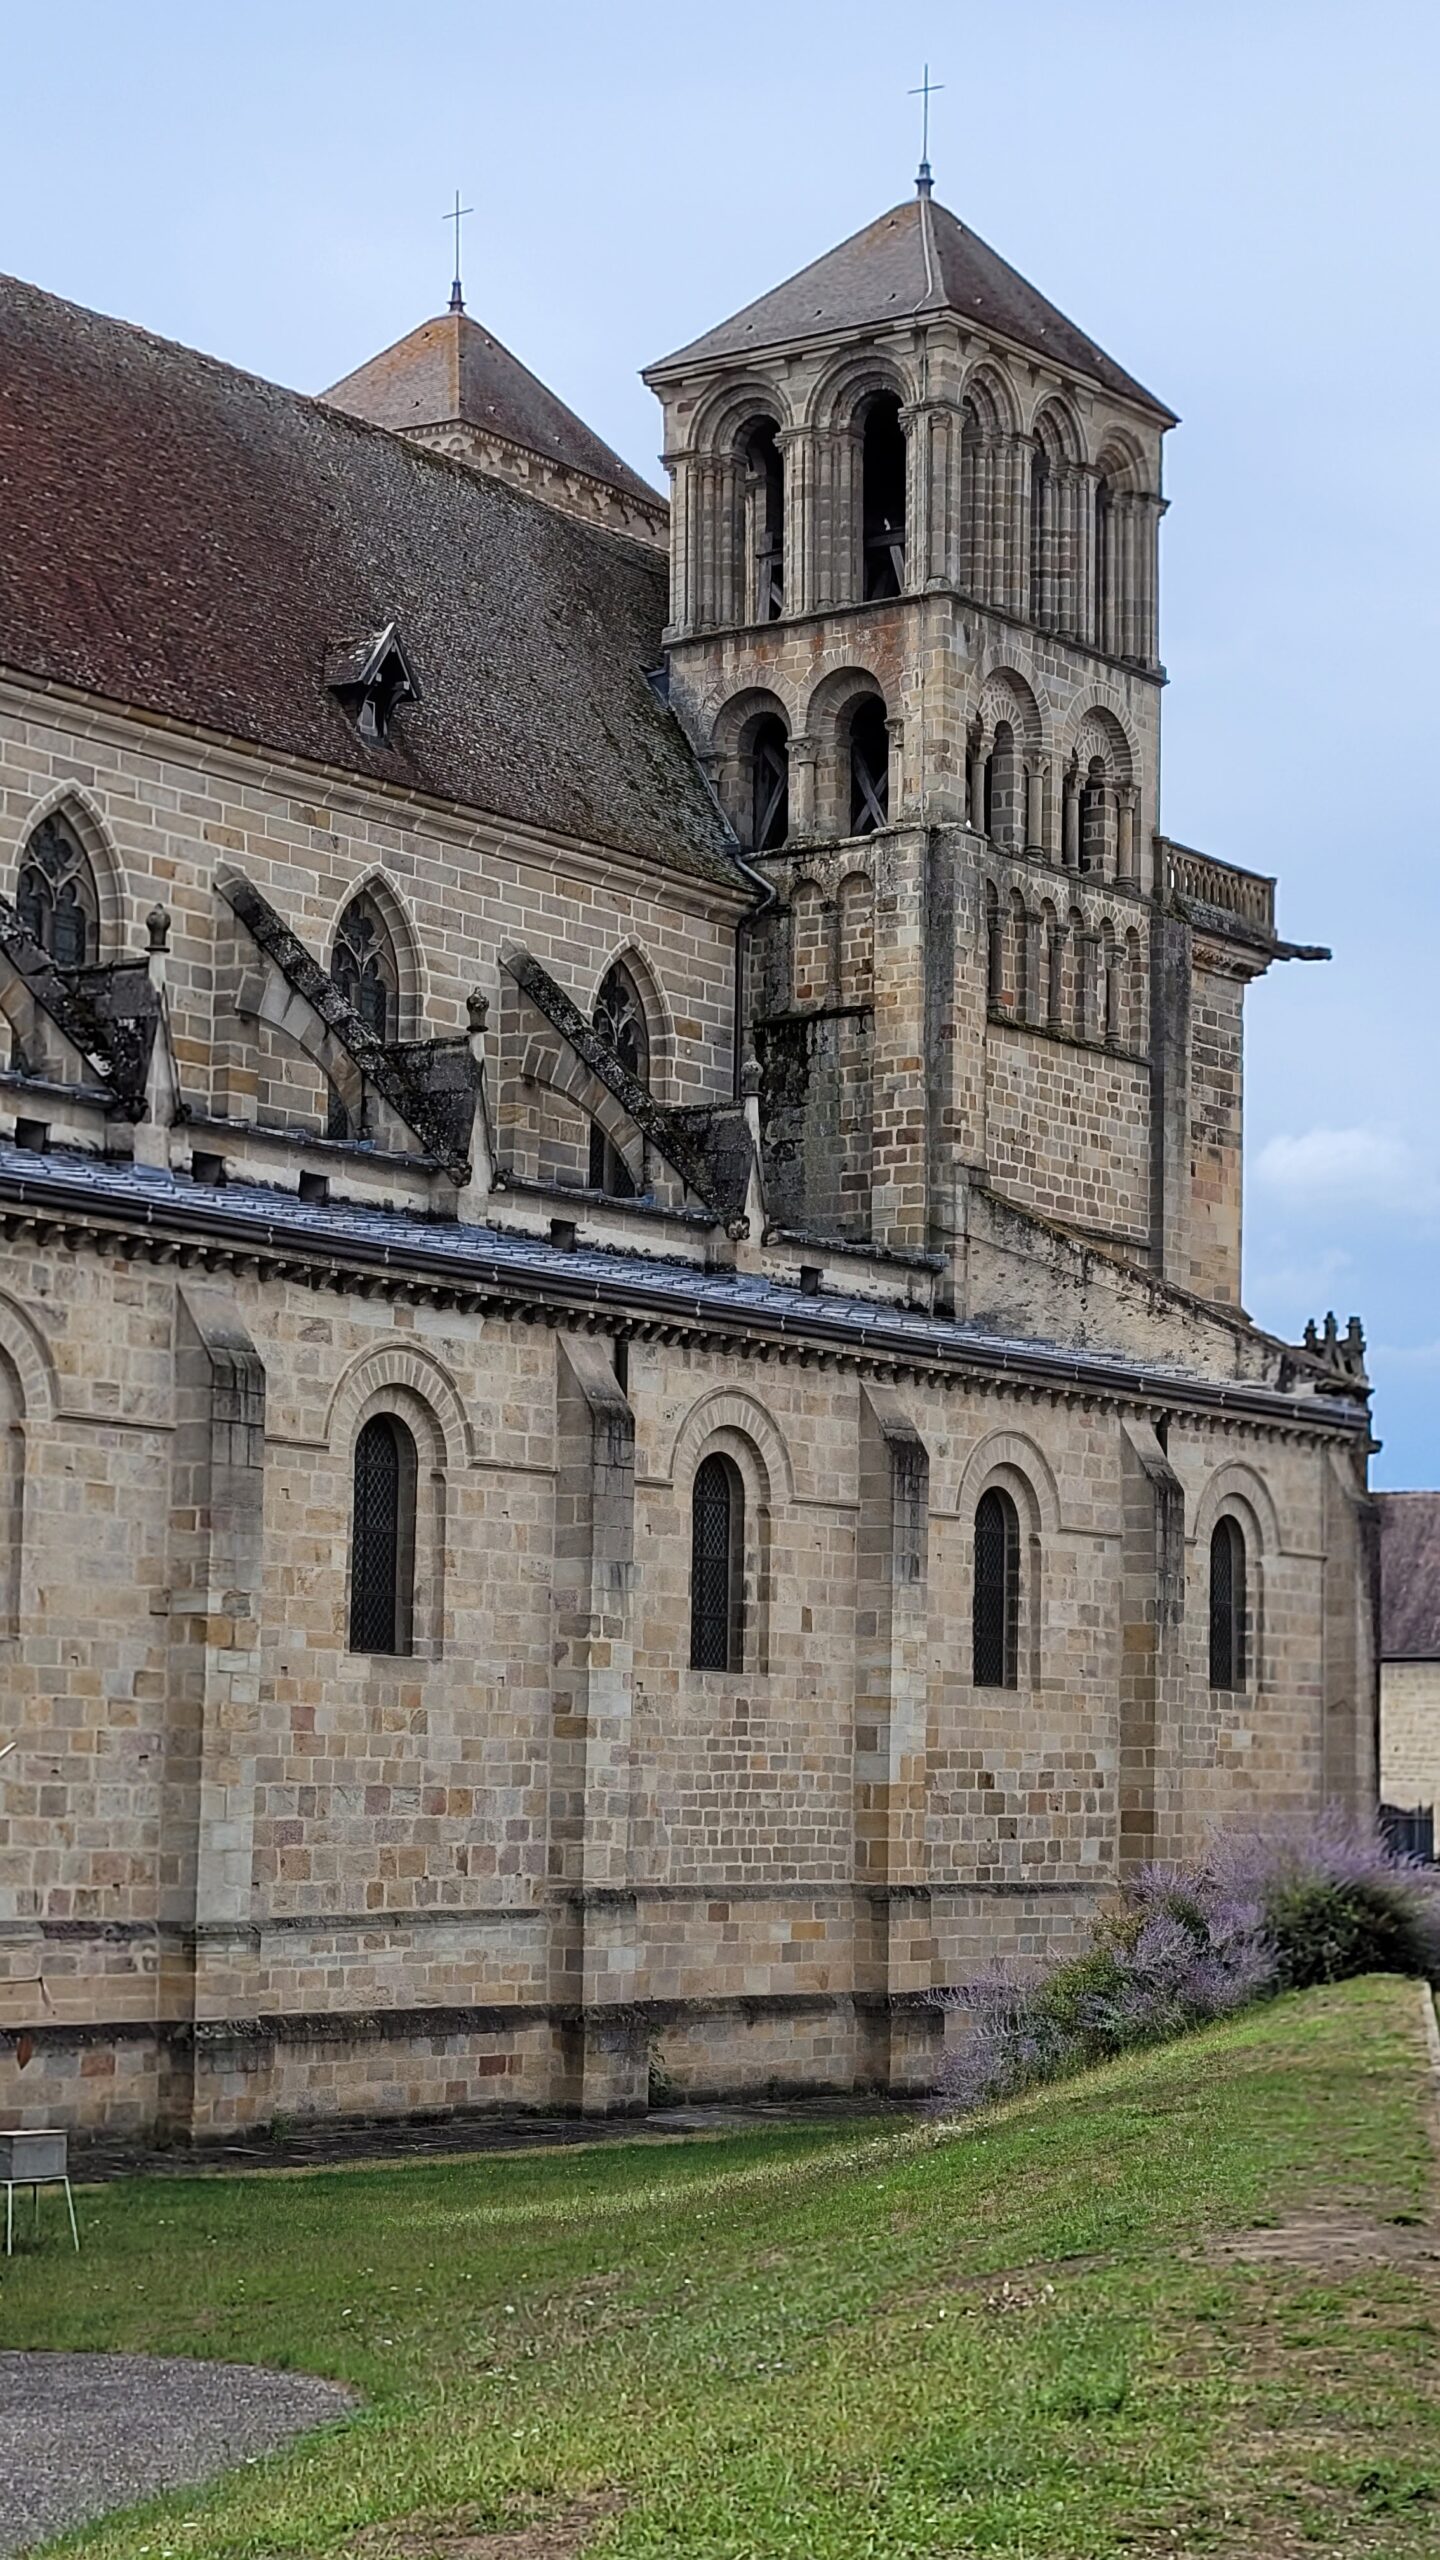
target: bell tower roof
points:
(916, 258)
(451, 372)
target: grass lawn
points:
(838, 2344)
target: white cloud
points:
(1361, 1168)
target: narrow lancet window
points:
(717, 1550)
(382, 1538)
(1227, 1605)
(996, 1626)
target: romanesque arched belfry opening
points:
(628, 1436)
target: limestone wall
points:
(1410, 1733)
(263, 1875)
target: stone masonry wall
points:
(1410, 1733)
(262, 1875)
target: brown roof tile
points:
(917, 257)
(1409, 1576)
(451, 370)
(192, 541)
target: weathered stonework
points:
(961, 1218)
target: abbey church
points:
(628, 1437)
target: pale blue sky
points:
(1239, 201)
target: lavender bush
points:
(1297, 1903)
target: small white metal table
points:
(34, 2160)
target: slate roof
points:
(450, 370)
(191, 541)
(254, 1217)
(917, 257)
(1409, 1576)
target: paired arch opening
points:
(867, 732)
(883, 466)
(764, 483)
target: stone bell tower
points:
(914, 637)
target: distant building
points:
(1409, 1648)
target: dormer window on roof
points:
(374, 679)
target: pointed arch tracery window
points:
(365, 969)
(619, 1017)
(56, 894)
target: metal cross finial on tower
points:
(927, 90)
(457, 216)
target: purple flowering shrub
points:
(1303, 1901)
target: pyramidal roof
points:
(916, 258)
(451, 371)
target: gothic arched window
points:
(364, 967)
(869, 767)
(382, 1538)
(1228, 1665)
(996, 1608)
(717, 1567)
(619, 1017)
(882, 475)
(56, 895)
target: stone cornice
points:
(558, 1289)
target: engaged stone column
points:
(596, 1954)
(895, 1941)
(1152, 1668)
(207, 1857)
(1035, 808)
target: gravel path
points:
(80, 2434)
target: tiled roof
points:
(188, 540)
(253, 1216)
(1409, 1576)
(451, 370)
(915, 258)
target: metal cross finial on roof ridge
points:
(457, 216)
(927, 90)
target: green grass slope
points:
(1028, 2338)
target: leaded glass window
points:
(619, 1017)
(364, 967)
(56, 895)
(717, 1550)
(1227, 1605)
(997, 1591)
(382, 1538)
